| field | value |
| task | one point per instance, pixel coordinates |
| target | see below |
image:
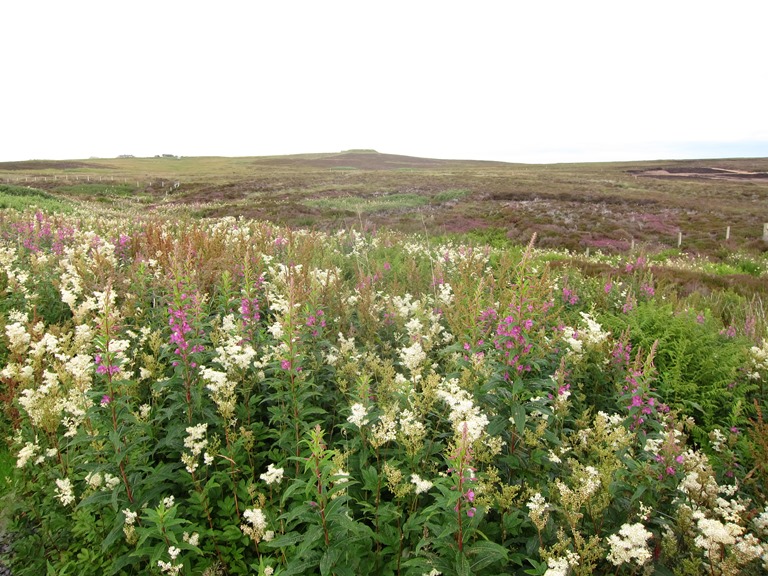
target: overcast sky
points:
(519, 81)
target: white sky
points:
(519, 81)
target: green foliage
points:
(230, 397)
(7, 463)
(21, 198)
(495, 237)
(450, 195)
(700, 371)
(98, 189)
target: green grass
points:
(99, 189)
(7, 464)
(21, 198)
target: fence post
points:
(765, 232)
(632, 246)
(727, 233)
(679, 239)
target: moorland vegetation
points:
(363, 363)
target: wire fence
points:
(74, 179)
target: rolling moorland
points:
(576, 206)
(713, 208)
(366, 363)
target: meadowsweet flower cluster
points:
(273, 475)
(255, 526)
(589, 336)
(359, 416)
(759, 360)
(421, 485)
(464, 415)
(195, 442)
(630, 545)
(64, 491)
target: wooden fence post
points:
(727, 233)
(765, 232)
(679, 239)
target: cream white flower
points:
(359, 415)
(196, 442)
(130, 517)
(630, 545)
(110, 482)
(64, 491)
(27, 452)
(256, 524)
(413, 356)
(272, 475)
(465, 416)
(557, 567)
(421, 485)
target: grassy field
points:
(596, 206)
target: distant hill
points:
(369, 160)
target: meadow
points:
(189, 390)
(605, 206)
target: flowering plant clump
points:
(226, 396)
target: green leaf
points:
(312, 537)
(114, 534)
(294, 486)
(462, 565)
(232, 534)
(301, 565)
(487, 553)
(538, 569)
(639, 492)
(329, 559)
(497, 425)
(286, 540)
(370, 478)
(518, 415)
